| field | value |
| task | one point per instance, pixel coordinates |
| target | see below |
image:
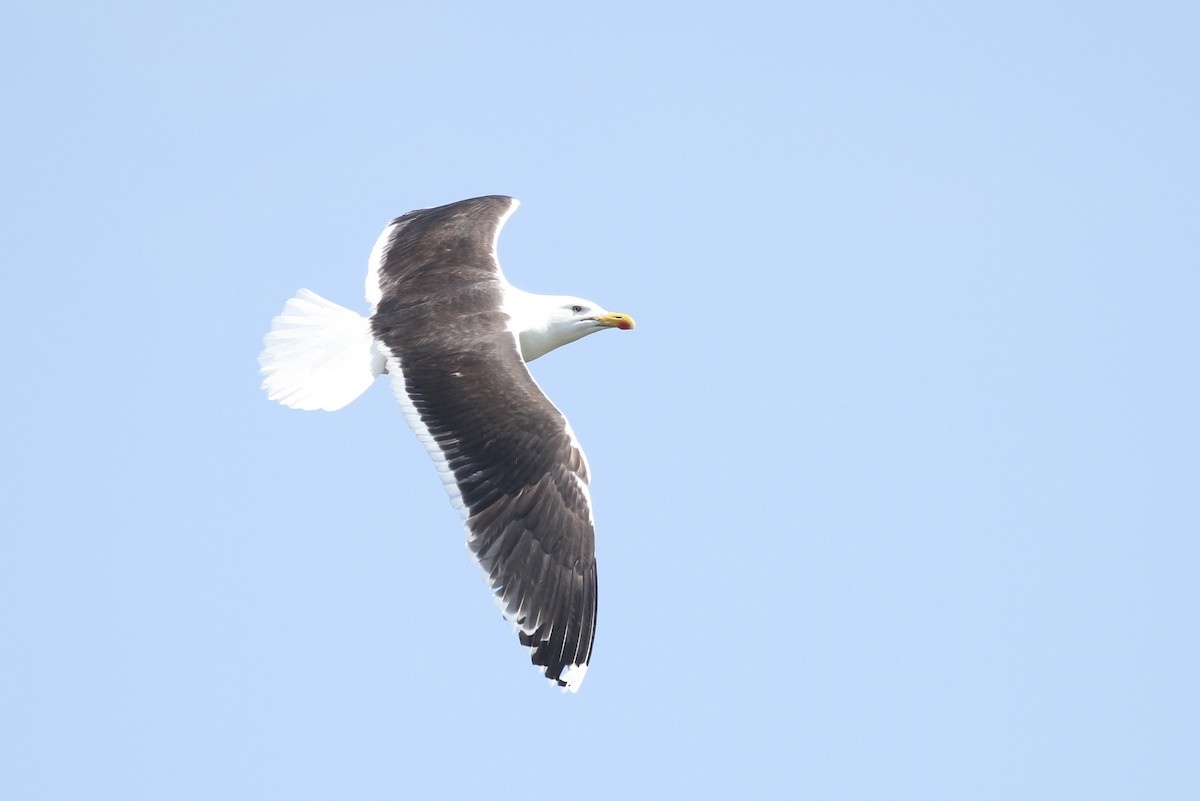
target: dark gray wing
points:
(507, 455)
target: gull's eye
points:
(577, 309)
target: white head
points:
(545, 322)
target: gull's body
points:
(454, 336)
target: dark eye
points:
(576, 309)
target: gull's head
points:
(562, 319)
(581, 317)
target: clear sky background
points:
(896, 482)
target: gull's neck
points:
(532, 318)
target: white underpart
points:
(318, 355)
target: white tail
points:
(318, 355)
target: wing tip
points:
(571, 678)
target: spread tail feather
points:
(318, 355)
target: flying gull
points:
(453, 337)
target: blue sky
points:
(896, 482)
